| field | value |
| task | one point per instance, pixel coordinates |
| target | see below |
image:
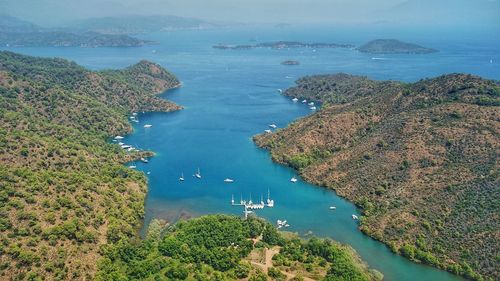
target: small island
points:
(393, 46)
(283, 45)
(290, 62)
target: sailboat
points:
(182, 177)
(198, 174)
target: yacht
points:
(144, 160)
(333, 207)
(268, 131)
(148, 126)
(182, 177)
(132, 167)
(354, 217)
(198, 174)
(312, 108)
(273, 126)
(295, 99)
(118, 138)
(311, 104)
(304, 101)
(228, 180)
(293, 179)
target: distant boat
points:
(118, 138)
(295, 99)
(148, 126)
(228, 180)
(268, 131)
(273, 126)
(132, 167)
(198, 174)
(182, 177)
(333, 207)
(312, 108)
(148, 173)
(280, 91)
(304, 101)
(144, 160)
(354, 217)
(135, 113)
(293, 179)
(311, 104)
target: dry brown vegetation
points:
(420, 159)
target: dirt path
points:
(269, 253)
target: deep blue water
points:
(229, 96)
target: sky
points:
(451, 12)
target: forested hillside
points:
(63, 189)
(420, 159)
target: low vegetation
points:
(63, 189)
(420, 159)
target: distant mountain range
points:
(95, 32)
(139, 24)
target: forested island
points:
(393, 46)
(66, 39)
(282, 45)
(420, 159)
(71, 210)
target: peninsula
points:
(419, 158)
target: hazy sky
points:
(255, 11)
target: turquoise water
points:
(229, 96)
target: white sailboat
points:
(182, 177)
(198, 174)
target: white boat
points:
(268, 131)
(198, 174)
(135, 113)
(132, 167)
(312, 108)
(121, 143)
(182, 177)
(130, 149)
(354, 217)
(333, 207)
(295, 99)
(270, 202)
(287, 225)
(126, 146)
(148, 126)
(311, 104)
(280, 91)
(144, 160)
(118, 138)
(148, 173)
(304, 101)
(293, 179)
(228, 180)
(273, 126)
